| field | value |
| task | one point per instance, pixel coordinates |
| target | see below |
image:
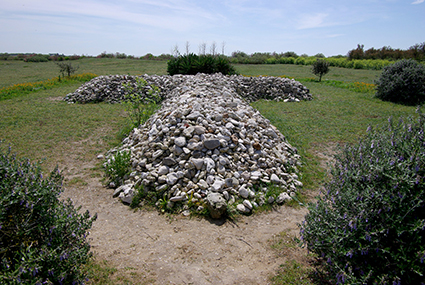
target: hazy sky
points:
(138, 27)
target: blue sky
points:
(138, 27)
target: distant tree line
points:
(385, 53)
(38, 57)
(416, 52)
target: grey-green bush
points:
(368, 226)
(42, 238)
(402, 82)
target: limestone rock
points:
(216, 204)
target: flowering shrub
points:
(368, 227)
(42, 239)
(402, 82)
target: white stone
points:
(163, 170)
(275, 179)
(283, 197)
(172, 178)
(210, 164)
(217, 185)
(247, 204)
(180, 141)
(241, 208)
(243, 192)
(198, 162)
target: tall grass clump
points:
(402, 82)
(368, 227)
(42, 238)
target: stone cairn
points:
(110, 88)
(206, 146)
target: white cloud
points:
(334, 36)
(176, 15)
(312, 21)
(418, 2)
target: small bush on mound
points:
(368, 227)
(42, 239)
(192, 64)
(402, 82)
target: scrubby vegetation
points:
(416, 52)
(42, 239)
(402, 82)
(368, 227)
(192, 64)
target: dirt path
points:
(163, 249)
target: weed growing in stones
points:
(369, 224)
(141, 104)
(118, 167)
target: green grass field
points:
(39, 126)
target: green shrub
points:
(287, 60)
(320, 68)
(300, 61)
(271, 60)
(402, 82)
(192, 64)
(42, 238)
(359, 64)
(368, 227)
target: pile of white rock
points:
(111, 88)
(207, 147)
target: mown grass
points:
(40, 126)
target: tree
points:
(66, 68)
(320, 67)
